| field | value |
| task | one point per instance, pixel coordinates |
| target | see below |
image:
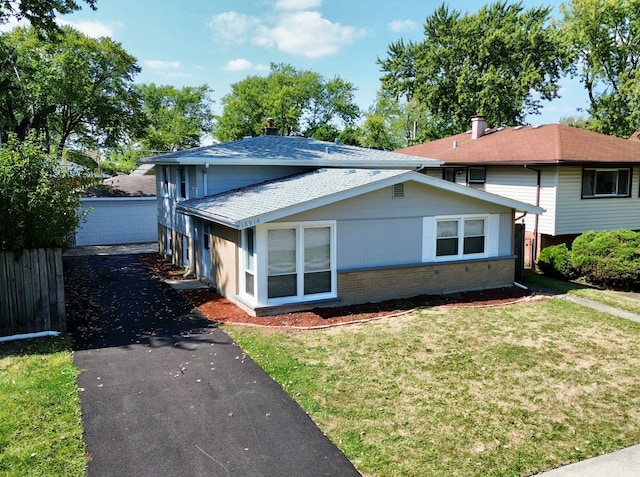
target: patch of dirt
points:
(219, 309)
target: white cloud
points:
(91, 29)
(242, 64)
(297, 4)
(402, 25)
(239, 64)
(233, 28)
(163, 65)
(308, 34)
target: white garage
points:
(113, 221)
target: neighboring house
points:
(121, 210)
(583, 180)
(286, 223)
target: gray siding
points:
(376, 229)
(379, 242)
(419, 201)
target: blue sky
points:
(221, 42)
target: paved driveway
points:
(166, 393)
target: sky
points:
(221, 42)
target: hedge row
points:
(610, 259)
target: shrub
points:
(609, 258)
(39, 198)
(556, 261)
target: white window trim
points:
(261, 264)
(430, 230)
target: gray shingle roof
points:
(268, 201)
(290, 150)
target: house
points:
(120, 210)
(286, 223)
(584, 180)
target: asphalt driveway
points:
(164, 392)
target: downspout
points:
(534, 248)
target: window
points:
(282, 263)
(182, 183)
(164, 185)
(460, 237)
(477, 175)
(249, 262)
(609, 182)
(455, 174)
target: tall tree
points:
(73, 88)
(300, 102)
(177, 118)
(500, 62)
(604, 37)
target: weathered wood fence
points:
(31, 292)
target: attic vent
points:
(518, 128)
(398, 190)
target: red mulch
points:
(219, 309)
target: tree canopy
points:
(41, 14)
(71, 88)
(299, 101)
(176, 118)
(38, 197)
(604, 36)
(500, 62)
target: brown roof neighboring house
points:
(546, 144)
(125, 186)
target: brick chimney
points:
(270, 129)
(478, 126)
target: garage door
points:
(118, 221)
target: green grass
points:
(502, 391)
(40, 420)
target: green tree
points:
(69, 89)
(40, 13)
(38, 197)
(604, 36)
(500, 62)
(176, 118)
(300, 102)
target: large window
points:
(606, 182)
(288, 262)
(460, 237)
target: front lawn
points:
(511, 390)
(40, 420)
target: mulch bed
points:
(219, 309)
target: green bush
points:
(610, 259)
(556, 261)
(38, 196)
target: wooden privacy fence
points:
(31, 292)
